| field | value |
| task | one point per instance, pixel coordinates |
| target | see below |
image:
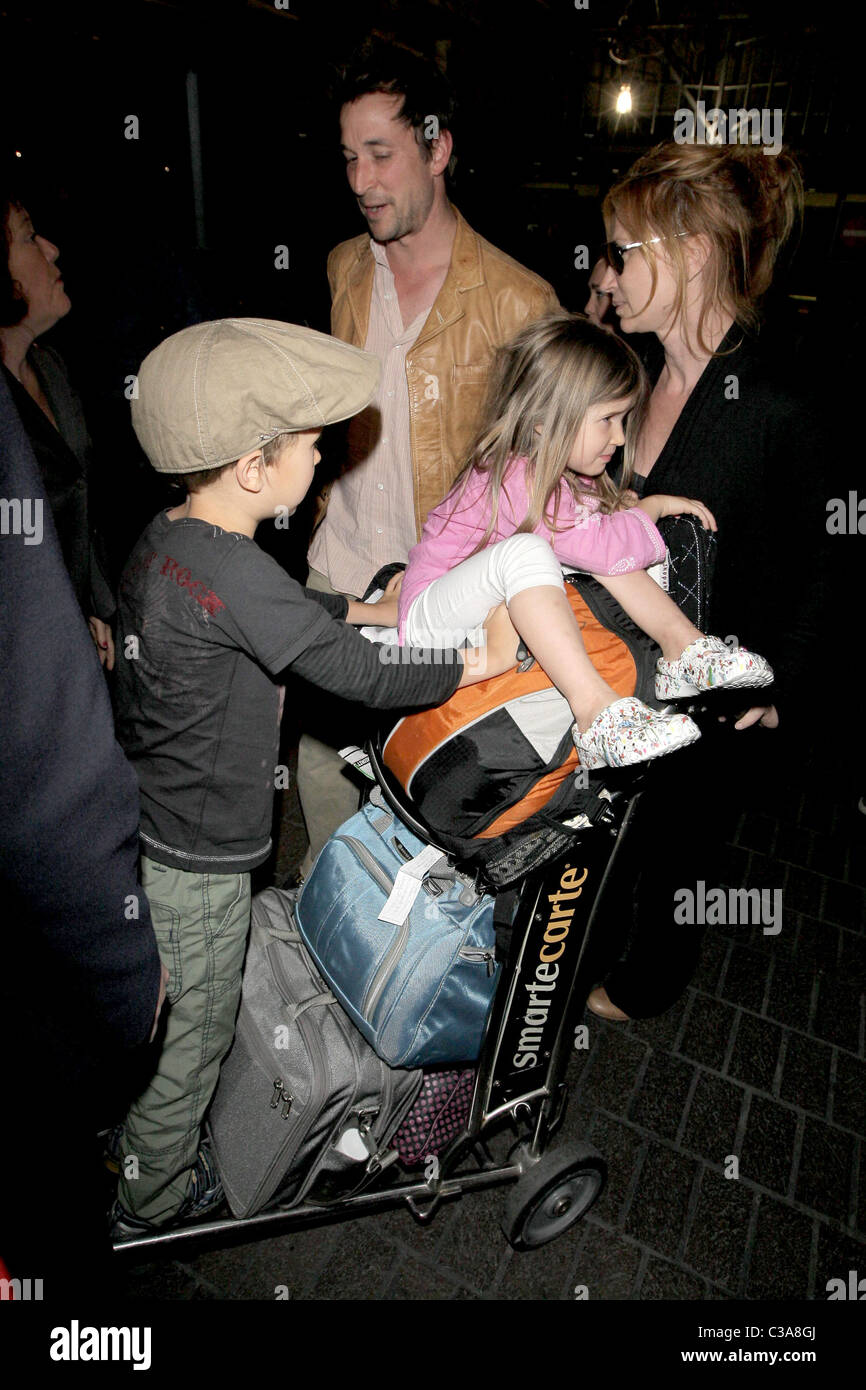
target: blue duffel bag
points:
(418, 989)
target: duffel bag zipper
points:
(398, 946)
(285, 1154)
(384, 973)
(369, 862)
(310, 1035)
(477, 954)
(263, 1054)
(431, 883)
(279, 1093)
(366, 1114)
(249, 1036)
(376, 988)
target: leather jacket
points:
(485, 298)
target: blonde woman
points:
(696, 233)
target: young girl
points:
(535, 494)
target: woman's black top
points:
(748, 444)
(63, 455)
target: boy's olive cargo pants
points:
(201, 923)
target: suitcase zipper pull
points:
(281, 1095)
(379, 1158)
(358, 1142)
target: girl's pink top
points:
(587, 539)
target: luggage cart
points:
(520, 1094)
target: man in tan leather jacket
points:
(433, 300)
(485, 298)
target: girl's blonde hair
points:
(745, 203)
(542, 383)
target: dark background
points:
(537, 144)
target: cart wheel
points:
(554, 1192)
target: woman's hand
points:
(765, 715)
(101, 634)
(382, 613)
(662, 505)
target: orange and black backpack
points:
(494, 772)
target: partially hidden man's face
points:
(388, 171)
(598, 306)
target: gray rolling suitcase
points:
(304, 1107)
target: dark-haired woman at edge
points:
(32, 300)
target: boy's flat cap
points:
(216, 391)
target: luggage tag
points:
(407, 885)
(358, 760)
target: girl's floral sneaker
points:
(629, 732)
(709, 665)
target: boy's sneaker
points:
(122, 1226)
(206, 1190)
(205, 1194)
(708, 664)
(629, 732)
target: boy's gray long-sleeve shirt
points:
(208, 622)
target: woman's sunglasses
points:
(613, 252)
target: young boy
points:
(207, 622)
